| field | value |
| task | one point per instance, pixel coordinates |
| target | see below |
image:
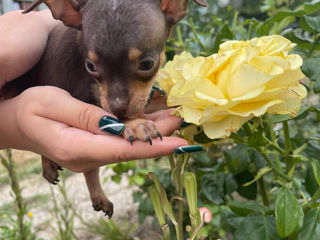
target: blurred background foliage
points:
(272, 206)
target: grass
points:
(108, 229)
(33, 202)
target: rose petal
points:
(245, 79)
(224, 127)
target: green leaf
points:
(163, 198)
(300, 223)
(288, 212)
(313, 22)
(257, 140)
(311, 68)
(190, 187)
(302, 42)
(224, 34)
(315, 164)
(202, 138)
(155, 199)
(257, 228)
(212, 187)
(310, 182)
(262, 29)
(249, 192)
(305, 26)
(260, 173)
(236, 138)
(316, 87)
(285, 13)
(257, 159)
(137, 179)
(230, 221)
(246, 208)
(311, 7)
(237, 159)
(116, 178)
(311, 226)
(312, 150)
(285, 117)
(230, 185)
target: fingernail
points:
(111, 125)
(188, 149)
(184, 124)
(162, 92)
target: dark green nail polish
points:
(111, 125)
(184, 124)
(151, 94)
(162, 92)
(188, 149)
(150, 97)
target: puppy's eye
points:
(91, 67)
(146, 65)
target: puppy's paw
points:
(50, 170)
(101, 203)
(140, 129)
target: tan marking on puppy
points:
(140, 129)
(134, 54)
(104, 96)
(139, 94)
(162, 57)
(93, 56)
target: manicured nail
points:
(111, 125)
(188, 149)
(162, 92)
(150, 97)
(184, 124)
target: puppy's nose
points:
(119, 107)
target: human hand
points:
(48, 121)
(24, 37)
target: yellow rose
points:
(244, 79)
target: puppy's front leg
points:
(98, 198)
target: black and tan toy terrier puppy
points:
(106, 53)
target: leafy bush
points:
(263, 182)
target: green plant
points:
(17, 228)
(262, 182)
(183, 181)
(121, 230)
(63, 211)
(277, 169)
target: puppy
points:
(106, 53)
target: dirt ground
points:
(35, 185)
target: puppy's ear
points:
(65, 10)
(177, 9)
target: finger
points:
(120, 150)
(58, 105)
(165, 121)
(160, 114)
(79, 150)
